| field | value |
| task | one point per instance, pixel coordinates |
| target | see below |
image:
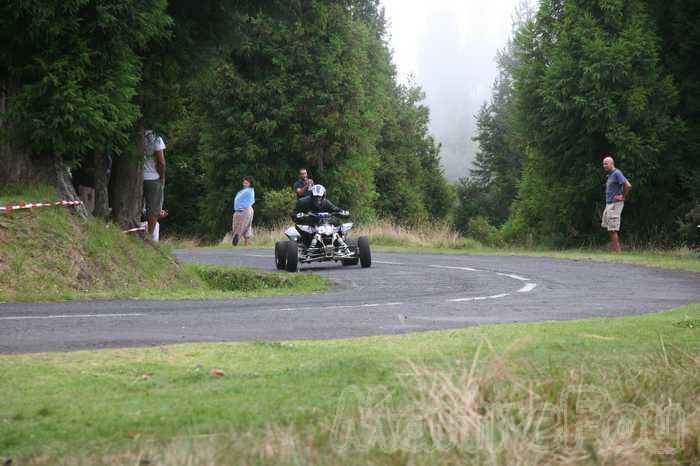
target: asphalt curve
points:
(401, 292)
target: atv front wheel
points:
(292, 256)
(365, 254)
(281, 254)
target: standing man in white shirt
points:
(153, 177)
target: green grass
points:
(681, 259)
(51, 254)
(114, 406)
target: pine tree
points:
(591, 83)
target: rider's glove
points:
(344, 213)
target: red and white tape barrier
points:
(34, 205)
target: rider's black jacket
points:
(306, 205)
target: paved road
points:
(400, 293)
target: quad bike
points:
(320, 237)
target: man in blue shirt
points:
(616, 190)
(302, 186)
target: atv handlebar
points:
(340, 213)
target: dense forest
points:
(244, 88)
(262, 87)
(582, 79)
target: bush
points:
(242, 279)
(481, 230)
(276, 206)
(688, 230)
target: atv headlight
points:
(325, 229)
(292, 233)
(306, 229)
(345, 227)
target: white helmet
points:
(318, 193)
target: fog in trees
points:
(449, 48)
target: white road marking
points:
(527, 287)
(380, 304)
(479, 298)
(468, 269)
(343, 306)
(287, 309)
(70, 316)
(510, 275)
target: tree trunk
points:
(18, 165)
(126, 190)
(102, 175)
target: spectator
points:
(616, 190)
(243, 212)
(86, 177)
(302, 186)
(84, 183)
(153, 177)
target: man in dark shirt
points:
(616, 190)
(302, 186)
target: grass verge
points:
(275, 403)
(51, 254)
(443, 239)
(241, 282)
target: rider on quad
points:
(318, 235)
(315, 203)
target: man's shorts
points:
(153, 195)
(612, 216)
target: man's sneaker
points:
(235, 240)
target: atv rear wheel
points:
(292, 256)
(365, 254)
(281, 254)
